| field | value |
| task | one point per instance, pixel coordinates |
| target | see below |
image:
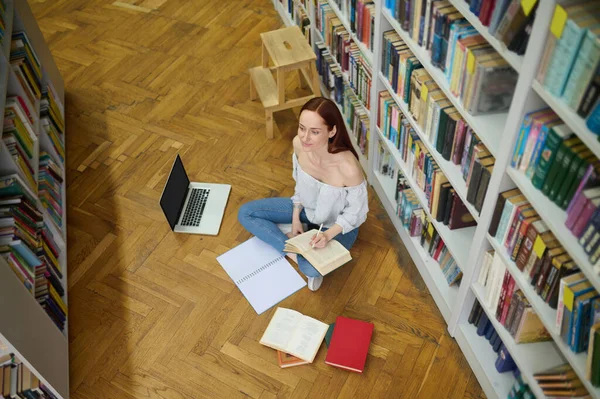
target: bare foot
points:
(293, 257)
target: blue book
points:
(505, 362)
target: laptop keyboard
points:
(195, 207)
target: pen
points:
(317, 234)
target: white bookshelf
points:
(451, 170)
(455, 239)
(499, 133)
(444, 296)
(29, 332)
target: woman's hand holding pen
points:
(320, 239)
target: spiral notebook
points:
(261, 273)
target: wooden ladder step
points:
(265, 86)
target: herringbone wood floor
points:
(152, 314)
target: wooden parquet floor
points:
(152, 314)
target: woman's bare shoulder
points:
(297, 145)
(350, 169)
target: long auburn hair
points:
(333, 118)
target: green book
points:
(556, 136)
(441, 136)
(557, 162)
(329, 334)
(572, 174)
(411, 64)
(561, 175)
(583, 168)
(596, 359)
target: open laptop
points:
(195, 208)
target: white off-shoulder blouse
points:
(323, 203)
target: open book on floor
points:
(291, 332)
(325, 260)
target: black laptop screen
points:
(174, 194)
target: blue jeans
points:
(261, 217)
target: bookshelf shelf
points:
(285, 16)
(481, 358)
(548, 317)
(555, 218)
(512, 58)
(454, 239)
(570, 117)
(530, 358)
(489, 128)
(444, 296)
(344, 74)
(451, 170)
(367, 53)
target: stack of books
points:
(50, 188)
(357, 118)
(570, 68)
(477, 74)
(560, 381)
(345, 51)
(26, 66)
(27, 245)
(52, 120)
(565, 170)
(531, 245)
(435, 246)
(441, 198)
(297, 339)
(50, 298)
(20, 139)
(508, 303)
(450, 137)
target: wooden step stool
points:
(288, 50)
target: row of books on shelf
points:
(17, 381)
(396, 127)
(576, 302)
(361, 18)
(570, 66)
(476, 73)
(345, 52)
(558, 381)
(416, 222)
(302, 20)
(26, 66)
(564, 169)
(50, 188)
(19, 136)
(353, 110)
(30, 249)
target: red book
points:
(349, 344)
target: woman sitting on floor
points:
(330, 188)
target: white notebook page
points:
(261, 273)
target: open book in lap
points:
(291, 332)
(325, 260)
